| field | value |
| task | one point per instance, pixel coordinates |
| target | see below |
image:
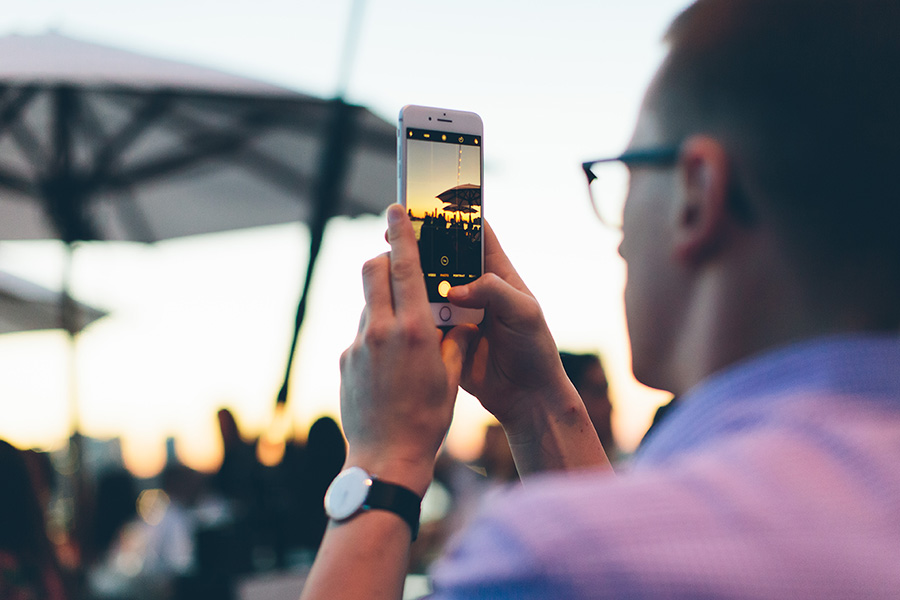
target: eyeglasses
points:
(608, 179)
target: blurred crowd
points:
(186, 534)
(181, 534)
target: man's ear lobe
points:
(702, 218)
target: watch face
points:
(347, 493)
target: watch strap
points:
(397, 499)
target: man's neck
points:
(741, 310)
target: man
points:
(763, 290)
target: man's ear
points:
(703, 218)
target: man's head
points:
(788, 111)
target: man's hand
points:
(399, 380)
(400, 377)
(515, 371)
(516, 354)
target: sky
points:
(200, 323)
(435, 168)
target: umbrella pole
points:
(317, 232)
(327, 201)
(354, 25)
(69, 313)
(75, 486)
(331, 174)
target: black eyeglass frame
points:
(662, 156)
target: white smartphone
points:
(440, 169)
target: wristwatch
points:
(354, 491)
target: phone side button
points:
(445, 313)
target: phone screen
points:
(443, 199)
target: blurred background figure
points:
(322, 461)
(115, 506)
(237, 477)
(496, 458)
(29, 569)
(587, 375)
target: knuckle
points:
(376, 334)
(405, 269)
(531, 311)
(371, 266)
(413, 333)
(492, 281)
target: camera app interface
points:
(443, 198)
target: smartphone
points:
(440, 169)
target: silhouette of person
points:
(323, 459)
(496, 457)
(29, 569)
(115, 506)
(238, 477)
(586, 373)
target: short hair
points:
(805, 97)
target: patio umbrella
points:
(461, 199)
(27, 306)
(97, 143)
(467, 194)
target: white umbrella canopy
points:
(98, 143)
(27, 306)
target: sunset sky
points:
(441, 167)
(200, 323)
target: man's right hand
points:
(515, 372)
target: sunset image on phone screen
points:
(443, 199)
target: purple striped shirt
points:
(776, 478)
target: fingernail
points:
(394, 214)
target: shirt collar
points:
(738, 396)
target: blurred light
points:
(271, 446)
(129, 560)
(436, 504)
(152, 506)
(269, 452)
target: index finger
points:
(407, 281)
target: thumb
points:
(492, 293)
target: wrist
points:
(415, 474)
(356, 491)
(554, 432)
(533, 411)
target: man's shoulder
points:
(762, 508)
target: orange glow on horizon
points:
(270, 452)
(144, 457)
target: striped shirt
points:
(776, 478)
